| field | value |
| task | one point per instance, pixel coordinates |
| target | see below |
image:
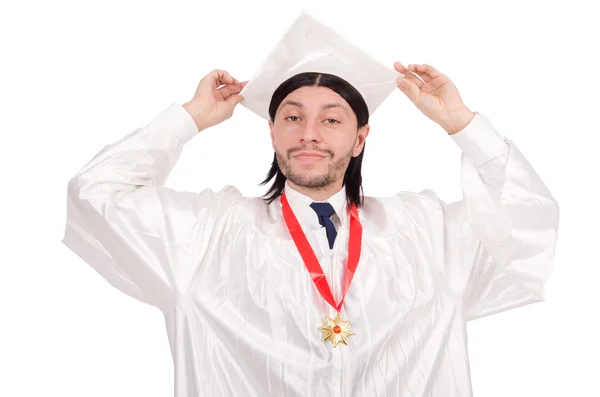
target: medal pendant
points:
(336, 330)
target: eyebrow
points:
(324, 107)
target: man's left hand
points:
(435, 96)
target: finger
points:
(409, 88)
(400, 68)
(228, 90)
(234, 100)
(220, 77)
(427, 72)
(408, 74)
(422, 75)
(226, 78)
(235, 81)
(414, 78)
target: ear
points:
(363, 132)
(272, 128)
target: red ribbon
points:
(310, 259)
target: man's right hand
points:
(211, 104)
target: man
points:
(316, 290)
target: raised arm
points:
(143, 238)
(499, 240)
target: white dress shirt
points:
(317, 235)
(241, 310)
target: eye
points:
(289, 117)
(334, 121)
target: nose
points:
(310, 132)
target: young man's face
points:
(314, 140)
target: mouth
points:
(308, 157)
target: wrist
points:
(190, 108)
(457, 120)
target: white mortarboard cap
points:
(311, 46)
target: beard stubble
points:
(307, 178)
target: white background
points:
(78, 75)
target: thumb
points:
(409, 88)
(234, 100)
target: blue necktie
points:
(324, 211)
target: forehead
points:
(315, 98)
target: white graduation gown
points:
(241, 310)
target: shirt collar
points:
(300, 204)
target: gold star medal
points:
(336, 330)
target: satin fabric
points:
(241, 311)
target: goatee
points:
(335, 169)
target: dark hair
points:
(353, 177)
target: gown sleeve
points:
(145, 239)
(501, 236)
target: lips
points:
(307, 156)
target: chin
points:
(311, 179)
(310, 174)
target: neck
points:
(318, 193)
